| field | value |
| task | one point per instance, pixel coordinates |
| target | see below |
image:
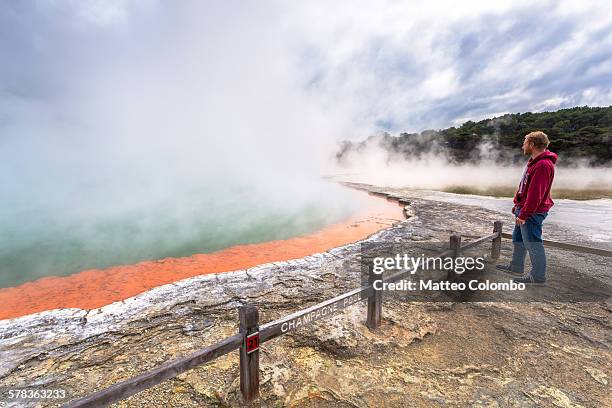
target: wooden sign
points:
(312, 314)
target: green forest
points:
(575, 133)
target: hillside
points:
(580, 133)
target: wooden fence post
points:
(496, 247)
(374, 302)
(249, 352)
(455, 246)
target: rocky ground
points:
(506, 354)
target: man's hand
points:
(519, 221)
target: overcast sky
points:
(397, 65)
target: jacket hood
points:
(546, 154)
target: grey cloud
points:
(474, 44)
(374, 84)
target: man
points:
(531, 205)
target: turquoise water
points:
(69, 234)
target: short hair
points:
(539, 139)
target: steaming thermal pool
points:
(66, 234)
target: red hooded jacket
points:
(533, 195)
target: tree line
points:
(580, 133)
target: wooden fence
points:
(251, 335)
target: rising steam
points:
(130, 136)
(431, 168)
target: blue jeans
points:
(528, 238)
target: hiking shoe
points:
(508, 268)
(528, 279)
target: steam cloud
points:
(148, 131)
(432, 169)
(163, 117)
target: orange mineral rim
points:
(94, 288)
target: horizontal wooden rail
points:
(251, 335)
(124, 389)
(570, 247)
(307, 316)
(479, 241)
